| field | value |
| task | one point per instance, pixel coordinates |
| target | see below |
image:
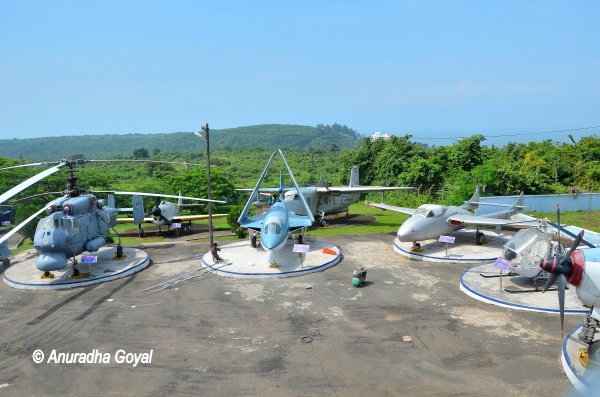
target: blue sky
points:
(428, 68)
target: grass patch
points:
(585, 219)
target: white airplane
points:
(166, 212)
(430, 221)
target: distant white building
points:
(380, 135)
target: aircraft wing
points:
(253, 223)
(403, 210)
(131, 220)
(298, 221)
(196, 217)
(480, 220)
(264, 189)
(359, 189)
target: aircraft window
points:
(272, 228)
(65, 223)
(45, 223)
(75, 226)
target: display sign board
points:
(502, 264)
(447, 239)
(5, 223)
(176, 225)
(89, 259)
(301, 248)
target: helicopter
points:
(74, 223)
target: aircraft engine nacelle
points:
(78, 205)
(95, 244)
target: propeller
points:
(560, 267)
(156, 211)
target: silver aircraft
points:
(324, 199)
(430, 221)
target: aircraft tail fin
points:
(473, 202)
(111, 200)
(354, 177)
(180, 200)
(519, 203)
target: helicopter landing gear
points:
(140, 231)
(187, 228)
(5, 263)
(322, 222)
(47, 274)
(76, 273)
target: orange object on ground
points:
(329, 251)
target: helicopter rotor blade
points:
(20, 225)
(141, 161)
(24, 185)
(35, 195)
(28, 165)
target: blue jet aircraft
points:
(276, 224)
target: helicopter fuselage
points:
(73, 225)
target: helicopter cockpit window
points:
(44, 224)
(66, 224)
(75, 226)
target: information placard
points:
(447, 239)
(301, 248)
(89, 259)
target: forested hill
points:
(104, 146)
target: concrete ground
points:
(409, 332)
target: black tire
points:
(479, 238)
(141, 233)
(119, 251)
(300, 239)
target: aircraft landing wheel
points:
(479, 238)
(119, 251)
(253, 241)
(300, 239)
(6, 263)
(594, 353)
(141, 233)
(322, 222)
(187, 229)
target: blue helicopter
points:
(74, 223)
(276, 224)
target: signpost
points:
(175, 225)
(5, 223)
(503, 265)
(302, 250)
(447, 240)
(89, 259)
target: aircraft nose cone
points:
(406, 232)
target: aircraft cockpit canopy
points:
(272, 226)
(429, 211)
(527, 247)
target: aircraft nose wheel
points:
(479, 238)
(141, 233)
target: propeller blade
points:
(19, 226)
(562, 285)
(550, 281)
(575, 244)
(24, 185)
(558, 221)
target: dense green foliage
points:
(451, 172)
(142, 145)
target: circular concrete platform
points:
(585, 380)
(464, 249)
(487, 289)
(241, 260)
(24, 275)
